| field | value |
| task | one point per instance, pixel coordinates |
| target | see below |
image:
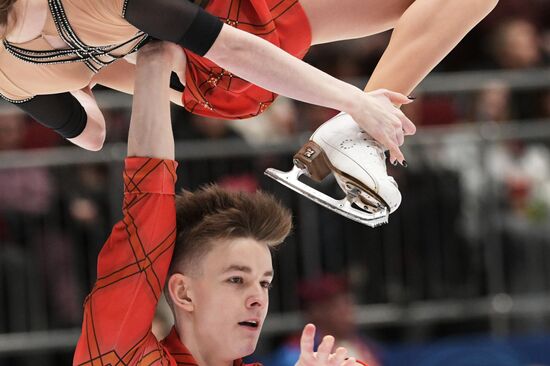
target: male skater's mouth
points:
(250, 323)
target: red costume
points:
(132, 268)
(214, 92)
(131, 272)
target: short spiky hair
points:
(213, 213)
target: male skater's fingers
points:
(324, 349)
(349, 362)
(338, 356)
(306, 345)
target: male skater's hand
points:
(323, 356)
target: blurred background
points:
(460, 275)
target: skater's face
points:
(229, 298)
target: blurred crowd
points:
(53, 221)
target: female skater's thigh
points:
(334, 20)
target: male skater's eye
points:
(238, 280)
(266, 284)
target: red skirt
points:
(214, 92)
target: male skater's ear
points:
(180, 292)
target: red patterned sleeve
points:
(132, 268)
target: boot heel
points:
(313, 160)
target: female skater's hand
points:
(380, 118)
(323, 356)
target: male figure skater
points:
(213, 245)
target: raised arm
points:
(121, 75)
(150, 131)
(133, 263)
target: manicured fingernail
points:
(411, 97)
(394, 163)
(404, 163)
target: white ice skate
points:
(358, 163)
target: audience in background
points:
(275, 125)
(22, 190)
(30, 224)
(493, 103)
(328, 303)
(515, 44)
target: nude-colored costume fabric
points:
(96, 23)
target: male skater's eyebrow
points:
(246, 269)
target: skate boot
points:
(358, 163)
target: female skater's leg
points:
(425, 32)
(422, 37)
(336, 20)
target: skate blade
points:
(343, 207)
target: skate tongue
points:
(343, 207)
